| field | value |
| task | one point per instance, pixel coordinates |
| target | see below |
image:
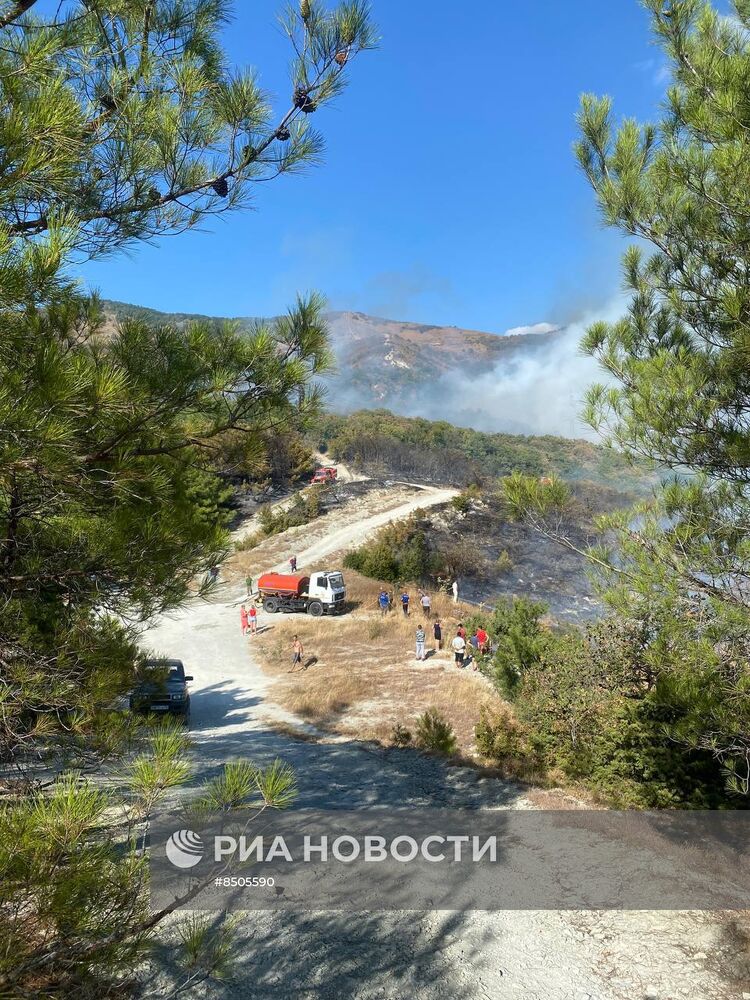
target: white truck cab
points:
(328, 588)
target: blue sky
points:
(449, 192)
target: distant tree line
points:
(381, 441)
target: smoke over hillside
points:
(528, 394)
(530, 381)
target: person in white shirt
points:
(426, 603)
(459, 648)
(454, 588)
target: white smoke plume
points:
(531, 394)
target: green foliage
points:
(464, 500)
(435, 733)
(500, 736)
(86, 884)
(398, 552)
(207, 945)
(401, 736)
(504, 562)
(125, 121)
(515, 629)
(122, 122)
(304, 508)
(592, 707)
(403, 446)
(679, 393)
(210, 497)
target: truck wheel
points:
(271, 605)
(315, 608)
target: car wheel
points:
(271, 605)
(315, 609)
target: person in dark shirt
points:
(437, 631)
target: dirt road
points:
(353, 534)
(361, 955)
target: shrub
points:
(400, 736)
(500, 735)
(248, 542)
(504, 562)
(515, 627)
(399, 551)
(435, 733)
(305, 507)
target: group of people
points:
(464, 648)
(385, 602)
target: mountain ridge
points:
(382, 362)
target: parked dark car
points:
(166, 692)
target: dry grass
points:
(364, 678)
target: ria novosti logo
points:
(184, 849)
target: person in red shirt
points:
(461, 630)
(253, 619)
(483, 640)
(243, 619)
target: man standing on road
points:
(297, 651)
(252, 617)
(426, 603)
(384, 602)
(405, 602)
(293, 564)
(249, 584)
(243, 619)
(459, 648)
(420, 642)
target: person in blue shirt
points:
(405, 602)
(384, 602)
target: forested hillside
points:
(381, 441)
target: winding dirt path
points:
(354, 534)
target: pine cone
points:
(221, 187)
(304, 9)
(303, 100)
(283, 134)
(341, 58)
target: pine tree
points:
(679, 384)
(121, 121)
(126, 121)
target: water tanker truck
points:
(317, 593)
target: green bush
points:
(588, 712)
(515, 628)
(304, 508)
(400, 736)
(399, 551)
(435, 733)
(500, 735)
(504, 562)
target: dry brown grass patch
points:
(364, 677)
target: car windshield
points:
(336, 580)
(175, 669)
